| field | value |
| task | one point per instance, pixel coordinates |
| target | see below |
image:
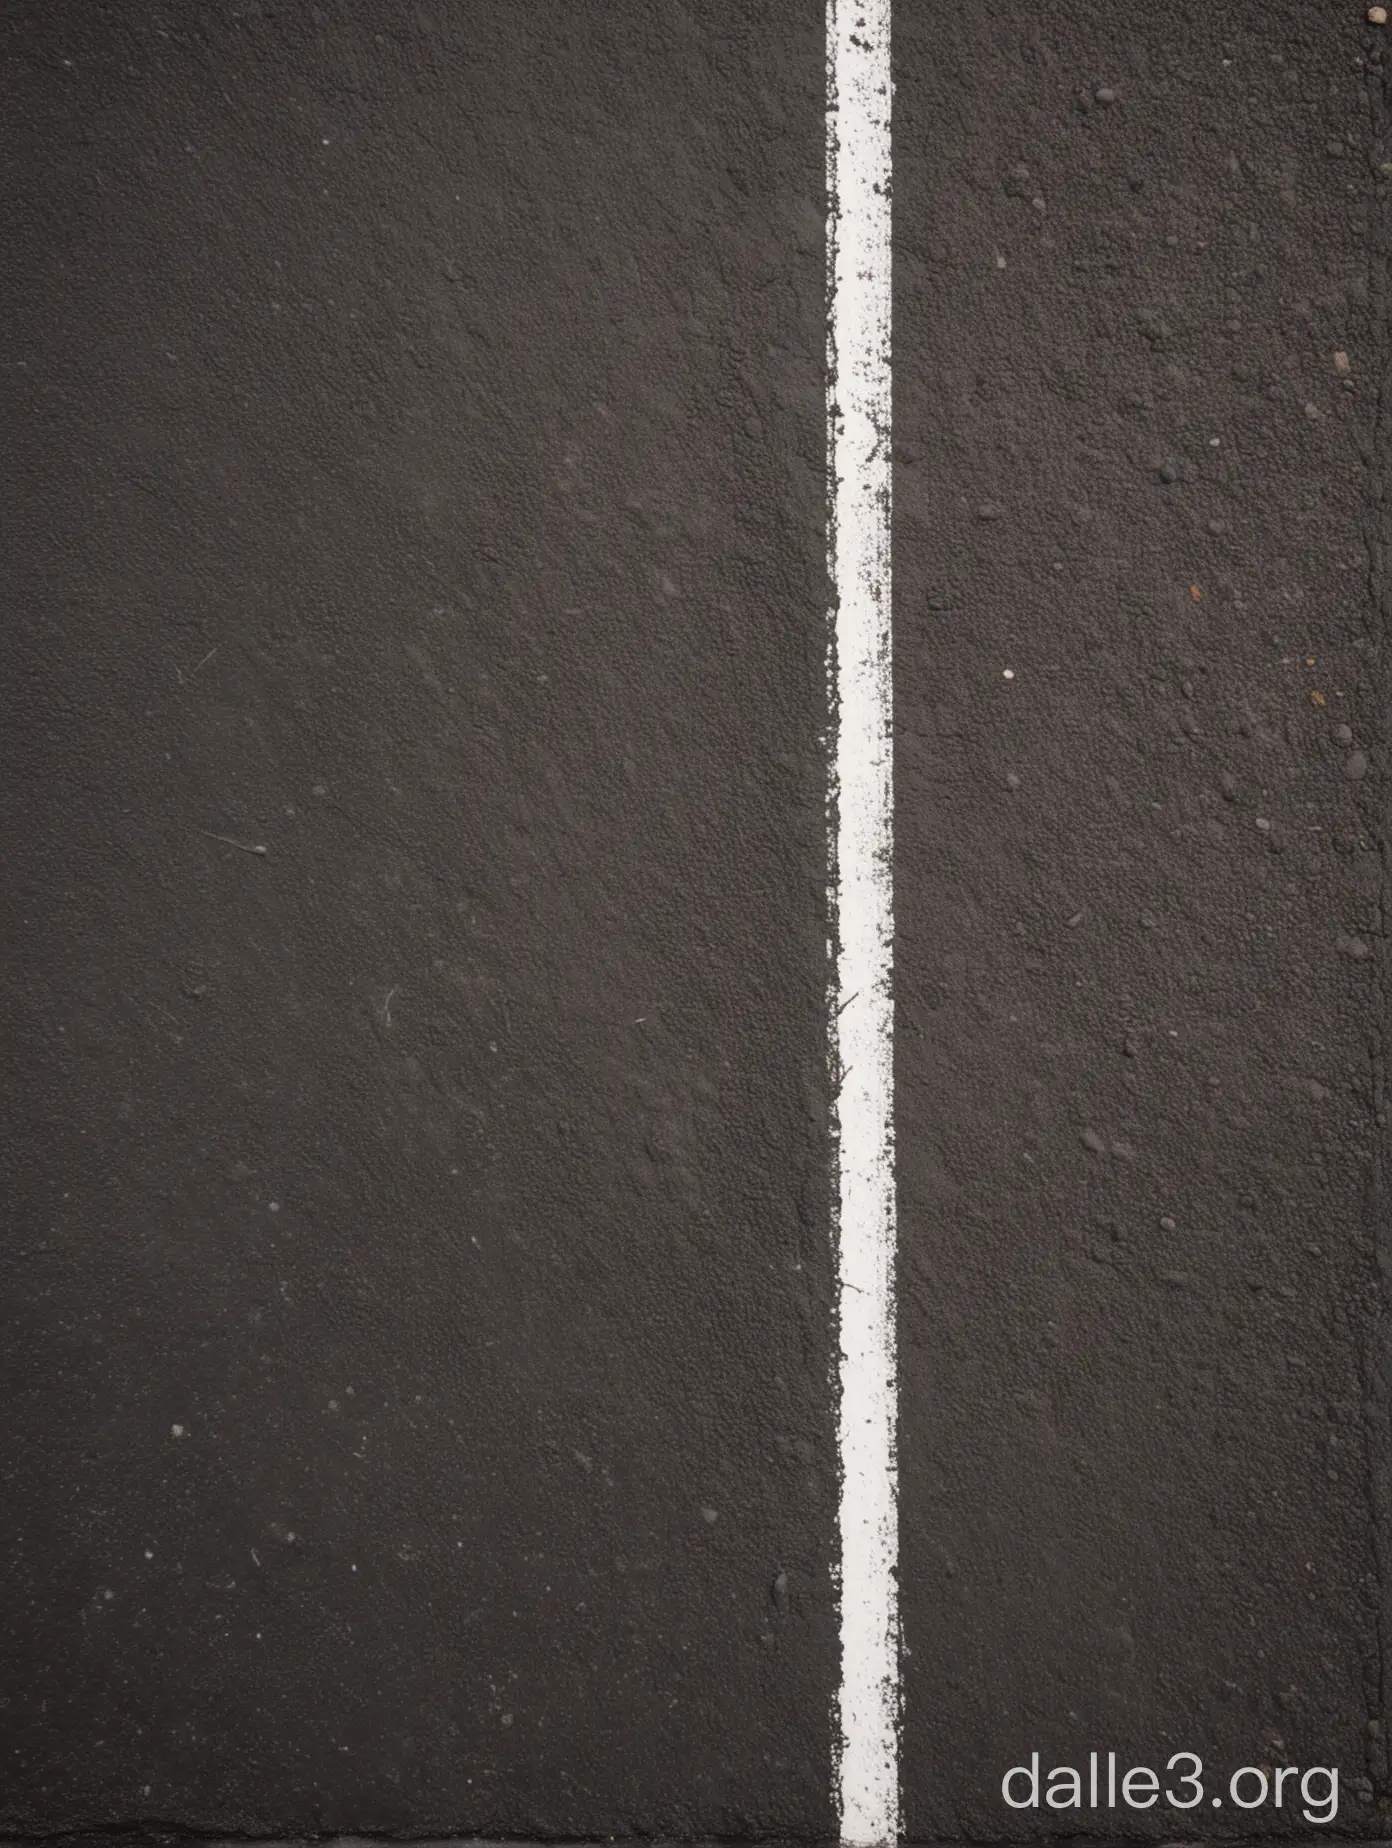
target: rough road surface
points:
(420, 1327)
(1143, 747)
(418, 1280)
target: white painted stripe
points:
(858, 259)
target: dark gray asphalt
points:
(1142, 1035)
(419, 1325)
(417, 1278)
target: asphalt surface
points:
(420, 1328)
(418, 1281)
(1142, 1023)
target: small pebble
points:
(709, 1516)
(1106, 96)
(1341, 364)
(1333, 148)
(1342, 734)
(1166, 1223)
(1011, 780)
(1217, 526)
(1356, 947)
(1091, 1140)
(1263, 824)
(1168, 472)
(1227, 782)
(1075, 920)
(1377, 15)
(1356, 766)
(989, 510)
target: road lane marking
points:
(861, 897)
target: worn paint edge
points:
(866, 1721)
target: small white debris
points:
(176, 1431)
(1007, 673)
(1377, 15)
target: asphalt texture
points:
(1142, 706)
(419, 1300)
(418, 1283)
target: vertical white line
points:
(858, 420)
